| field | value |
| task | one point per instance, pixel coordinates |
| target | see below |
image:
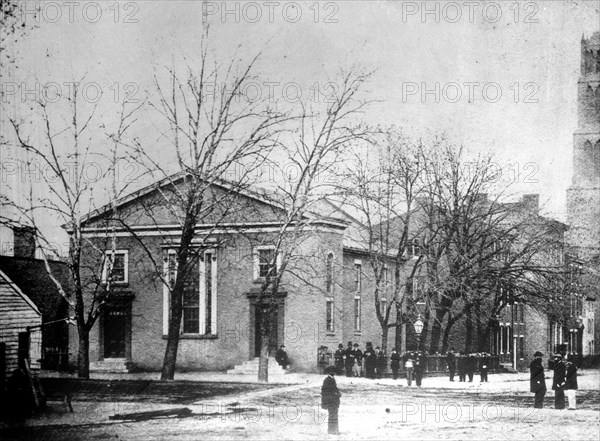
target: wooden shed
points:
(17, 312)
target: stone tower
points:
(583, 197)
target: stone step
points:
(250, 367)
(116, 365)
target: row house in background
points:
(522, 325)
(32, 303)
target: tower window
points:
(329, 315)
(329, 273)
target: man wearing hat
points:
(349, 359)
(558, 381)
(358, 356)
(281, 357)
(339, 359)
(370, 361)
(537, 381)
(330, 400)
(395, 363)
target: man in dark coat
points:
(451, 360)
(381, 362)
(349, 359)
(395, 363)
(484, 365)
(338, 357)
(471, 366)
(462, 368)
(558, 382)
(571, 381)
(330, 400)
(370, 361)
(420, 362)
(358, 357)
(537, 382)
(281, 357)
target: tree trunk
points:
(83, 354)
(263, 361)
(425, 332)
(484, 343)
(482, 335)
(266, 324)
(446, 336)
(436, 329)
(398, 333)
(170, 360)
(187, 234)
(384, 338)
(469, 331)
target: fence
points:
(434, 364)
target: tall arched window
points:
(329, 273)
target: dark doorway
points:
(262, 313)
(116, 321)
(23, 350)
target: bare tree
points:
(212, 131)
(63, 156)
(479, 248)
(383, 184)
(313, 152)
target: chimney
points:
(24, 239)
(531, 202)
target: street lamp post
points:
(418, 324)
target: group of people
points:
(564, 380)
(352, 359)
(414, 365)
(467, 365)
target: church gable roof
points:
(148, 205)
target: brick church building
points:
(319, 301)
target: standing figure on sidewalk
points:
(537, 381)
(395, 363)
(558, 382)
(338, 358)
(349, 359)
(370, 361)
(451, 360)
(358, 356)
(471, 365)
(571, 381)
(462, 369)
(484, 365)
(330, 400)
(409, 366)
(381, 362)
(420, 363)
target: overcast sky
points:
(506, 72)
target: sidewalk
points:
(208, 377)
(588, 379)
